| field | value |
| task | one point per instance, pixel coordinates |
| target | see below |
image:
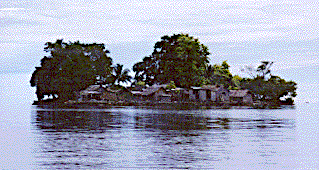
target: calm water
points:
(154, 138)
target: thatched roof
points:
(93, 89)
(149, 90)
(137, 92)
(238, 93)
(113, 91)
(121, 94)
(210, 87)
(152, 89)
(207, 87)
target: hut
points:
(241, 96)
(179, 95)
(92, 92)
(153, 93)
(209, 93)
(122, 94)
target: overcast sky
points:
(243, 32)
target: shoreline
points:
(177, 105)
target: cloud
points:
(11, 9)
(297, 63)
(221, 21)
(278, 65)
(248, 23)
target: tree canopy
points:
(220, 75)
(121, 75)
(71, 67)
(179, 58)
(266, 86)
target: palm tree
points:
(264, 69)
(121, 75)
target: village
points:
(86, 79)
(160, 94)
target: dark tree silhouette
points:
(69, 68)
(121, 75)
(266, 86)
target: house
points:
(153, 93)
(122, 94)
(92, 92)
(241, 96)
(180, 94)
(209, 93)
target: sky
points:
(243, 32)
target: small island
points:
(178, 72)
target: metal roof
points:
(238, 93)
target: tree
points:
(236, 82)
(266, 86)
(171, 85)
(146, 71)
(219, 75)
(121, 75)
(263, 71)
(69, 68)
(179, 58)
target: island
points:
(178, 72)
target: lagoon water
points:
(154, 138)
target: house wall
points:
(213, 96)
(248, 99)
(236, 99)
(165, 98)
(109, 96)
(124, 96)
(222, 94)
(137, 98)
(157, 95)
(192, 95)
(202, 95)
(195, 95)
(181, 96)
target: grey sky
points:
(244, 32)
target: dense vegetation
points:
(178, 60)
(72, 67)
(267, 87)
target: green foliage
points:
(70, 68)
(121, 75)
(179, 58)
(171, 85)
(263, 71)
(138, 86)
(220, 75)
(236, 82)
(146, 70)
(140, 83)
(273, 88)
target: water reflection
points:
(74, 138)
(245, 123)
(119, 137)
(189, 140)
(77, 121)
(171, 121)
(175, 121)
